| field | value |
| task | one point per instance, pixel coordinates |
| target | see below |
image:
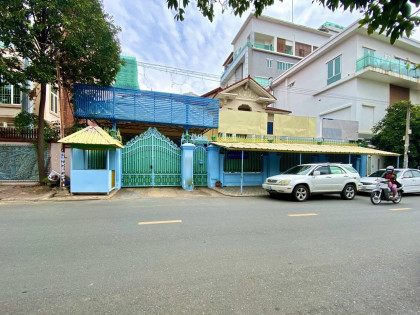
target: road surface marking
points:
(160, 222)
(302, 215)
(400, 209)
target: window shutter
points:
(281, 45)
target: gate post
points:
(212, 165)
(187, 166)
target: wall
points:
(238, 122)
(259, 63)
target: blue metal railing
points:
(387, 65)
(119, 104)
(265, 47)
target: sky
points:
(150, 33)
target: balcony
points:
(119, 104)
(387, 66)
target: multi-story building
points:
(265, 47)
(352, 77)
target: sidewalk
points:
(32, 193)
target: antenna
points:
(292, 11)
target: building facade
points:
(265, 47)
(352, 77)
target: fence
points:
(29, 135)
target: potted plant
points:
(218, 183)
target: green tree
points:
(43, 38)
(394, 17)
(389, 132)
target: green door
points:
(200, 166)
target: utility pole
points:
(407, 136)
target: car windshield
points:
(299, 170)
(378, 173)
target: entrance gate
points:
(151, 160)
(200, 166)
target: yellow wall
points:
(239, 122)
(294, 126)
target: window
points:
(269, 128)
(350, 168)
(284, 46)
(415, 173)
(54, 101)
(336, 170)
(283, 65)
(269, 63)
(10, 94)
(323, 170)
(245, 108)
(334, 70)
(302, 50)
(368, 52)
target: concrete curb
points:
(225, 193)
(50, 197)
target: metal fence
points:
(119, 104)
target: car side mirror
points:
(317, 173)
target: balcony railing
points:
(28, 135)
(236, 55)
(265, 47)
(388, 65)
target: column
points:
(187, 166)
(213, 167)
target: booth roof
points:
(92, 135)
(303, 148)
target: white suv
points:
(308, 179)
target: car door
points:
(338, 178)
(406, 180)
(322, 182)
(416, 182)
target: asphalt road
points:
(220, 256)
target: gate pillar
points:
(187, 166)
(213, 167)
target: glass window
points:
(368, 52)
(336, 170)
(10, 94)
(283, 65)
(408, 174)
(269, 63)
(334, 70)
(350, 168)
(324, 170)
(54, 101)
(415, 173)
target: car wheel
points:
(348, 192)
(272, 194)
(301, 193)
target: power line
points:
(179, 71)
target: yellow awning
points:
(92, 135)
(303, 148)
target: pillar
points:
(213, 167)
(187, 166)
(363, 165)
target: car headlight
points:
(284, 182)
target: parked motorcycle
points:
(383, 192)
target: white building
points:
(353, 76)
(265, 47)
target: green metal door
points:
(200, 166)
(151, 160)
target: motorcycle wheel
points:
(398, 197)
(375, 197)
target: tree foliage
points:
(392, 17)
(44, 37)
(389, 132)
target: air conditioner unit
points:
(3, 124)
